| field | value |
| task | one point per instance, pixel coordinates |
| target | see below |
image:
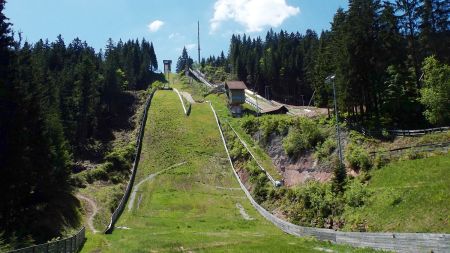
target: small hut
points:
(236, 96)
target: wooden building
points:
(236, 96)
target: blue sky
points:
(169, 24)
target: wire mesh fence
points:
(115, 216)
(68, 245)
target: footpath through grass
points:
(409, 196)
(193, 207)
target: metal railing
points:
(71, 244)
(115, 216)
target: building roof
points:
(236, 85)
(281, 109)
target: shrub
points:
(357, 157)
(98, 173)
(303, 136)
(237, 150)
(249, 124)
(356, 194)
(157, 85)
(357, 223)
(380, 160)
(120, 159)
(254, 171)
(313, 204)
(325, 149)
(260, 191)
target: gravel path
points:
(91, 212)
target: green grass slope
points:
(409, 196)
(192, 207)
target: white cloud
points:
(253, 14)
(191, 46)
(155, 25)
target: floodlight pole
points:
(256, 98)
(338, 135)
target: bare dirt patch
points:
(295, 170)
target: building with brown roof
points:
(235, 91)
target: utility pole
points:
(266, 91)
(198, 40)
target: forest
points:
(56, 99)
(376, 50)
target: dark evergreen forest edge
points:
(390, 59)
(59, 104)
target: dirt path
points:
(151, 176)
(91, 211)
(243, 212)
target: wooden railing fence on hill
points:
(71, 244)
(115, 216)
(394, 132)
(444, 147)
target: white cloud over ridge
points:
(254, 15)
(155, 25)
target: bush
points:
(380, 160)
(96, 174)
(254, 171)
(325, 149)
(237, 150)
(313, 204)
(120, 159)
(356, 194)
(249, 124)
(267, 125)
(260, 191)
(303, 136)
(357, 157)
(357, 223)
(157, 85)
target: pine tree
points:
(184, 61)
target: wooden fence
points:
(395, 132)
(444, 147)
(71, 244)
(115, 216)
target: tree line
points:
(375, 49)
(56, 99)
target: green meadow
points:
(195, 203)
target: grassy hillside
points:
(195, 206)
(409, 196)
